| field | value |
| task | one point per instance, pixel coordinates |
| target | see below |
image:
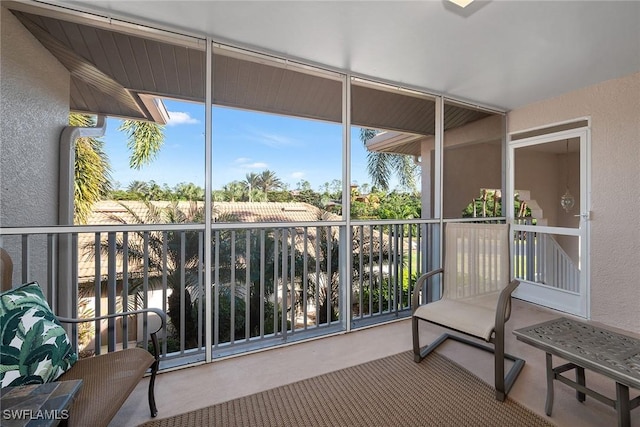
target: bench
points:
(107, 379)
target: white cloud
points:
(297, 175)
(180, 118)
(247, 163)
(255, 165)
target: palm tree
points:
(183, 303)
(324, 288)
(251, 184)
(233, 191)
(155, 191)
(140, 188)
(135, 251)
(268, 181)
(382, 166)
(257, 257)
(189, 191)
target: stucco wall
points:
(34, 106)
(614, 109)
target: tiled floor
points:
(195, 387)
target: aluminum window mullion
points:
(208, 161)
(345, 278)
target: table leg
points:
(622, 405)
(580, 380)
(548, 407)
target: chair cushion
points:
(474, 316)
(107, 381)
(34, 347)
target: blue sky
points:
(243, 142)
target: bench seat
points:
(107, 382)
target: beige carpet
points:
(393, 391)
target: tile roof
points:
(103, 212)
(110, 212)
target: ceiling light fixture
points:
(461, 3)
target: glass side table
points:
(38, 405)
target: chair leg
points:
(421, 353)
(152, 381)
(503, 383)
(416, 340)
(154, 371)
(499, 369)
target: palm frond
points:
(145, 141)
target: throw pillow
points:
(34, 347)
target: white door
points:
(550, 174)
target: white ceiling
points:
(503, 54)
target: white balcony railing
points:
(271, 283)
(539, 258)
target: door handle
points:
(586, 215)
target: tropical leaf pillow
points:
(34, 347)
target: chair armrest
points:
(415, 301)
(154, 337)
(160, 313)
(503, 309)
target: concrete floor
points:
(196, 387)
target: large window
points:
(389, 130)
(472, 162)
(277, 140)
